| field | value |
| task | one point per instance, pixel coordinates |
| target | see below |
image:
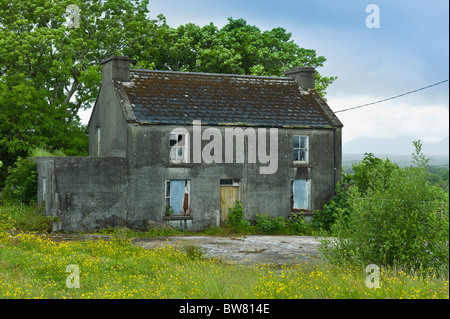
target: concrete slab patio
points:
(248, 250)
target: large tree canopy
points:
(48, 71)
(237, 48)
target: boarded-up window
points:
(300, 194)
(177, 196)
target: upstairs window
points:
(301, 148)
(179, 147)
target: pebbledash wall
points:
(123, 183)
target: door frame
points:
(234, 184)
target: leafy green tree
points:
(438, 176)
(400, 220)
(339, 205)
(21, 187)
(365, 171)
(48, 72)
(237, 48)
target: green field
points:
(33, 266)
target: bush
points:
(270, 225)
(339, 204)
(235, 217)
(401, 220)
(279, 225)
(364, 171)
(21, 184)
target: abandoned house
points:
(179, 148)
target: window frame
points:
(186, 154)
(230, 182)
(299, 149)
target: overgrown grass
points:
(33, 266)
(21, 217)
(26, 217)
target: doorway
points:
(229, 193)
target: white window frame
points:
(174, 148)
(301, 149)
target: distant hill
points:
(401, 160)
(401, 145)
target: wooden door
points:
(228, 197)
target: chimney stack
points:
(116, 68)
(305, 77)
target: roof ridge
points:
(215, 74)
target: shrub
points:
(364, 171)
(296, 224)
(21, 184)
(280, 225)
(270, 225)
(235, 217)
(399, 221)
(339, 204)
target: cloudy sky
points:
(408, 51)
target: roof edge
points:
(124, 102)
(95, 103)
(238, 124)
(215, 74)
(326, 110)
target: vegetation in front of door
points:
(235, 218)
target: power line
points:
(391, 98)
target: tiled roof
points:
(179, 98)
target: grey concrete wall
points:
(149, 168)
(87, 193)
(108, 115)
(84, 193)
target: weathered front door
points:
(228, 197)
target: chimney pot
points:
(305, 77)
(116, 68)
